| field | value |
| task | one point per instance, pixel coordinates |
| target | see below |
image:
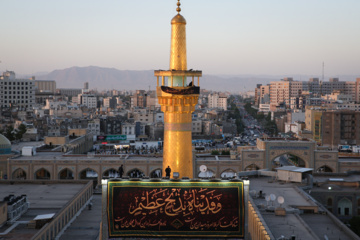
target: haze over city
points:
(231, 37)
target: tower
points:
(178, 99)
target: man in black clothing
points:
(168, 171)
(121, 171)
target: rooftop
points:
(296, 222)
(46, 198)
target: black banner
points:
(169, 208)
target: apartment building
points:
(19, 93)
(216, 100)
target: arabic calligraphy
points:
(176, 201)
(136, 208)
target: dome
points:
(5, 145)
(178, 19)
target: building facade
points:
(19, 93)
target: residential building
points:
(19, 93)
(340, 127)
(45, 86)
(216, 100)
(196, 127)
(88, 100)
(70, 92)
(94, 126)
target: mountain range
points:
(101, 78)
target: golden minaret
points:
(178, 99)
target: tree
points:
(20, 131)
(268, 117)
(214, 152)
(9, 133)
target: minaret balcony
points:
(167, 88)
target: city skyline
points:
(281, 38)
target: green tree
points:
(214, 152)
(20, 131)
(225, 152)
(9, 133)
(268, 117)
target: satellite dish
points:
(280, 200)
(272, 197)
(253, 193)
(203, 168)
(267, 198)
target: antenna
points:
(323, 67)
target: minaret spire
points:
(178, 99)
(178, 9)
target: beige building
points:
(280, 92)
(340, 127)
(216, 100)
(45, 86)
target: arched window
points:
(111, 173)
(324, 168)
(135, 173)
(229, 173)
(344, 207)
(66, 174)
(43, 174)
(157, 173)
(19, 174)
(252, 167)
(89, 174)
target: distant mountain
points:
(111, 78)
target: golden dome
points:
(178, 19)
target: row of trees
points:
(14, 134)
(268, 124)
(235, 114)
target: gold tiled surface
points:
(178, 153)
(178, 127)
(177, 135)
(178, 47)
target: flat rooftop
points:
(62, 156)
(302, 225)
(43, 198)
(285, 139)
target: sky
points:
(230, 37)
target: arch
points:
(135, 173)
(345, 207)
(156, 173)
(42, 174)
(228, 173)
(324, 168)
(111, 173)
(287, 159)
(252, 167)
(66, 173)
(19, 174)
(208, 174)
(89, 174)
